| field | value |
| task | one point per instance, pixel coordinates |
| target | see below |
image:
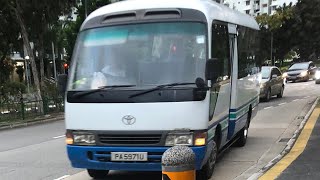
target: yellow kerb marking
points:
(297, 149)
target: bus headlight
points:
(80, 138)
(179, 139)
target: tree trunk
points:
(41, 54)
(26, 42)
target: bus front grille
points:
(133, 139)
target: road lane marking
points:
(296, 99)
(268, 107)
(62, 177)
(57, 137)
(296, 150)
(282, 104)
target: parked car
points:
(317, 76)
(272, 83)
(301, 72)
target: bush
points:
(11, 91)
(50, 91)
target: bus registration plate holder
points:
(129, 156)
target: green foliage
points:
(275, 28)
(72, 28)
(10, 92)
(50, 91)
(6, 68)
(294, 29)
(306, 29)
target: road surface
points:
(38, 152)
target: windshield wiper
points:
(83, 93)
(158, 88)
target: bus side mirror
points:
(213, 69)
(62, 83)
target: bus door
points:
(234, 60)
(221, 89)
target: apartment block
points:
(257, 7)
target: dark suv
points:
(302, 71)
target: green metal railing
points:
(26, 109)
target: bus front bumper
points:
(98, 157)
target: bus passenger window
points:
(221, 50)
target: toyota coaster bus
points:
(148, 75)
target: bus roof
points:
(211, 9)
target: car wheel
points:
(268, 95)
(97, 174)
(280, 95)
(207, 170)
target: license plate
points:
(129, 156)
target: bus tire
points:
(97, 174)
(243, 135)
(207, 170)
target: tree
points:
(275, 32)
(34, 18)
(44, 16)
(18, 10)
(306, 29)
(9, 35)
(72, 28)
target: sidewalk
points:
(307, 165)
(303, 160)
(32, 121)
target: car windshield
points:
(299, 66)
(265, 72)
(142, 55)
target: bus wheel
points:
(207, 170)
(243, 135)
(97, 174)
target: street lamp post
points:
(271, 56)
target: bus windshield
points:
(141, 55)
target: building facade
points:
(257, 7)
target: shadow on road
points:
(116, 175)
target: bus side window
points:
(220, 49)
(247, 51)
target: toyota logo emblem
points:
(128, 120)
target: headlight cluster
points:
(262, 85)
(304, 73)
(172, 139)
(284, 75)
(80, 138)
(187, 139)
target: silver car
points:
(272, 83)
